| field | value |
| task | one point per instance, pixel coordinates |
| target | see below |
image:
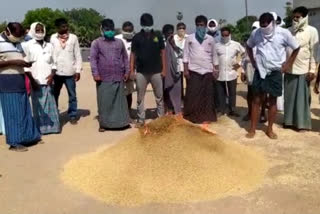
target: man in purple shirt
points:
(110, 69)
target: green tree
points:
(85, 23)
(289, 11)
(3, 26)
(47, 16)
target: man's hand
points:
(186, 74)
(310, 77)
(77, 77)
(316, 88)
(163, 73)
(236, 67)
(97, 78)
(50, 79)
(20, 63)
(243, 77)
(285, 68)
(126, 77)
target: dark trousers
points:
(227, 94)
(70, 84)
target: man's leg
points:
(257, 99)
(249, 102)
(157, 86)
(73, 105)
(272, 113)
(141, 84)
(57, 86)
(232, 87)
(221, 96)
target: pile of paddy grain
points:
(175, 162)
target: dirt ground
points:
(30, 181)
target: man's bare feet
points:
(272, 135)
(250, 135)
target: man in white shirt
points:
(180, 39)
(270, 62)
(297, 95)
(126, 36)
(227, 51)
(67, 59)
(39, 52)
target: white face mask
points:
(212, 29)
(225, 40)
(128, 35)
(267, 30)
(12, 38)
(300, 24)
(147, 28)
(39, 36)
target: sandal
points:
(272, 135)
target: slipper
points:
(272, 135)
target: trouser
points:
(227, 93)
(142, 81)
(70, 84)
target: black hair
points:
(127, 24)
(201, 18)
(60, 21)
(107, 23)
(279, 20)
(303, 10)
(15, 27)
(266, 17)
(166, 28)
(225, 29)
(181, 24)
(146, 20)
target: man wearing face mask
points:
(179, 40)
(227, 51)
(110, 70)
(270, 62)
(213, 29)
(126, 36)
(297, 81)
(199, 57)
(67, 58)
(20, 128)
(148, 56)
(38, 51)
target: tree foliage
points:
(242, 29)
(3, 26)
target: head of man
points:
(14, 32)
(300, 18)
(107, 29)
(127, 30)
(212, 25)
(181, 29)
(168, 31)
(146, 22)
(267, 23)
(38, 31)
(225, 35)
(62, 26)
(201, 26)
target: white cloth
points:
(67, 60)
(126, 44)
(271, 54)
(308, 38)
(42, 56)
(227, 58)
(180, 43)
(200, 57)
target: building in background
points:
(314, 10)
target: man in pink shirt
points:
(199, 70)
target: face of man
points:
(212, 24)
(264, 24)
(63, 29)
(128, 29)
(168, 34)
(225, 34)
(39, 29)
(297, 17)
(201, 24)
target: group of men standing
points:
(275, 60)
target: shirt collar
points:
(43, 45)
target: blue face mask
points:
(109, 34)
(201, 33)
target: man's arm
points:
(94, 61)
(125, 61)
(164, 63)
(316, 85)
(78, 59)
(288, 64)
(186, 53)
(132, 63)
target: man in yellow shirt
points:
(297, 94)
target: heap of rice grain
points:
(175, 162)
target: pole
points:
(247, 17)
